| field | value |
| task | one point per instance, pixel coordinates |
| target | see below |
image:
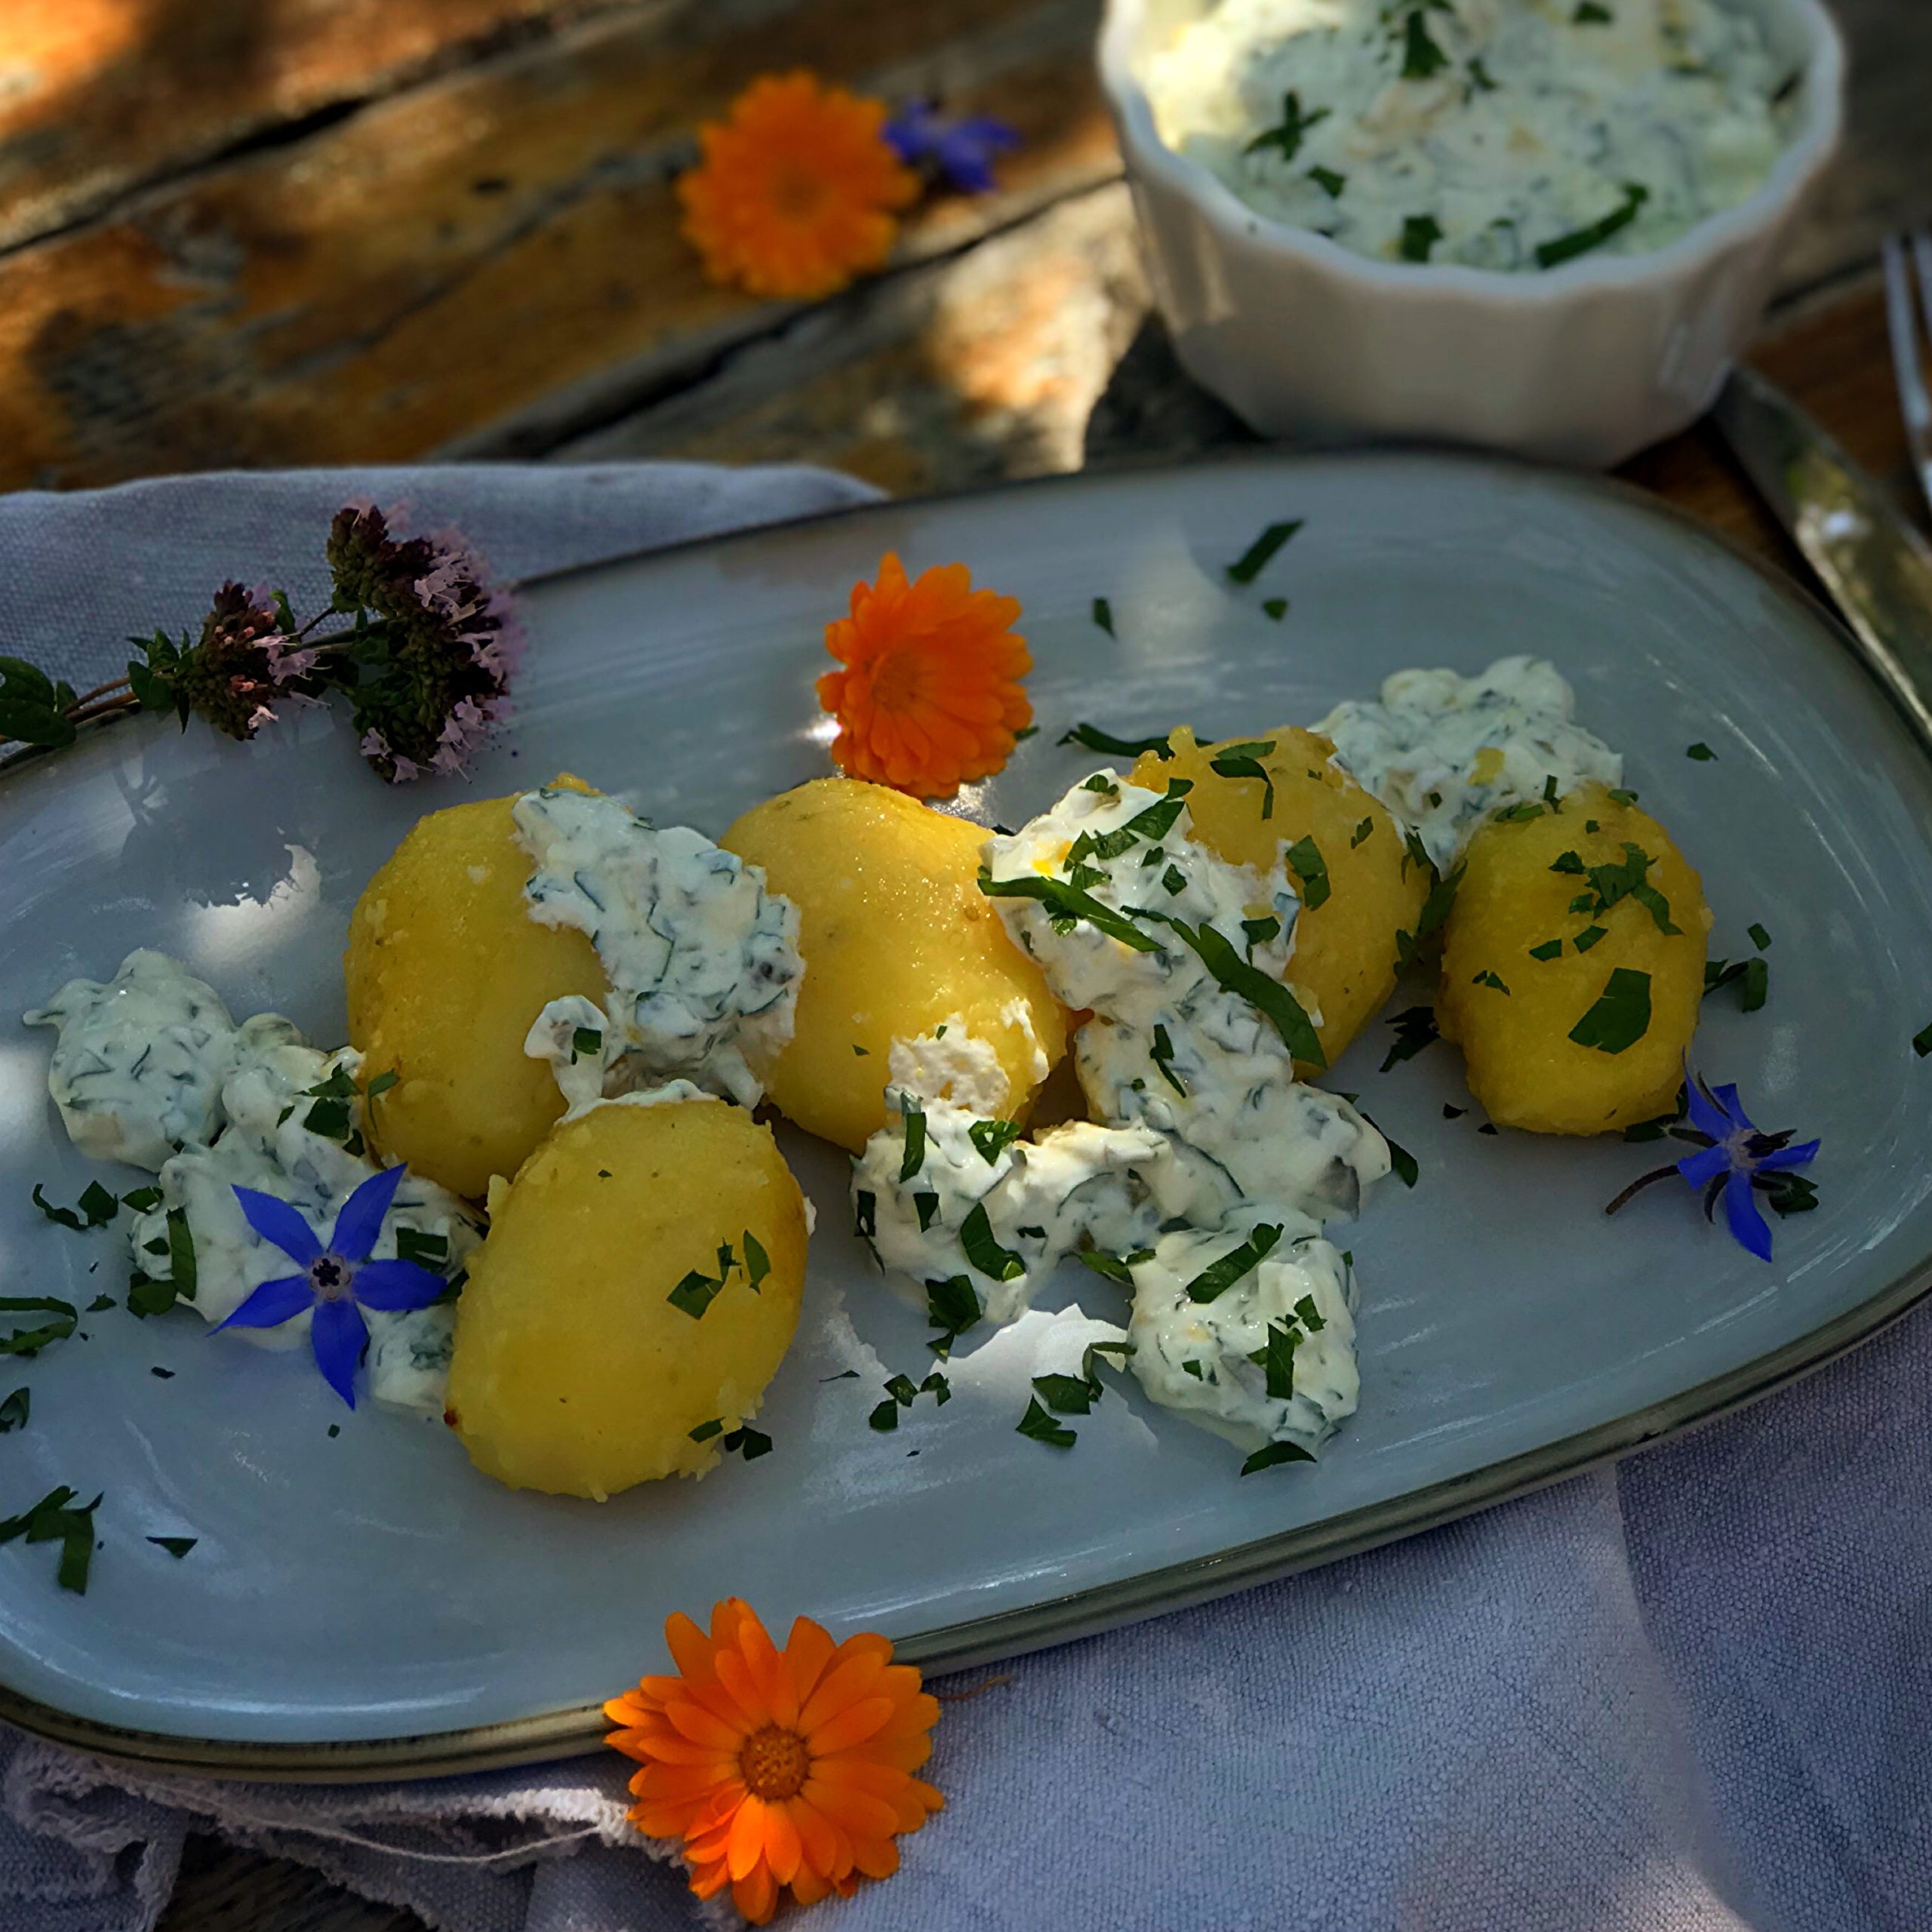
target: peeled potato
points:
(573, 1372)
(446, 972)
(898, 940)
(1522, 1063)
(1345, 947)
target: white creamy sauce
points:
(138, 1067)
(1205, 1127)
(1198, 1356)
(702, 962)
(150, 1069)
(1523, 133)
(949, 1064)
(1443, 752)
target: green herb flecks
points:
(586, 1043)
(1286, 137)
(1360, 832)
(1415, 1030)
(1276, 1359)
(1266, 994)
(1065, 902)
(914, 1156)
(992, 1137)
(1568, 248)
(1305, 860)
(705, 1431)
(1095, 739)
(1420, 233)
(983, 1248)
(1039, 1424)
(1488, 979)
(1218, 1276)
(865, 1214)
(31, 1341)
(96, 1204)
(1254, 559)
(1551, 948)
(1103, 616)
(953, 1307)
(1161, 1052)
(1259, 932)
(55, 1519)
(1700, 752)
(1422, 58)
(1621, 1016)
(13, 1411)
(1752, 978)
(1275, 608)
(1759, 938)
(1244, 760)
(1592, 14)
(177, 1547)
(1275, 1453)
(1330, 183)
(748, 1442)
(332, 1110)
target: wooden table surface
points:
(266, 232)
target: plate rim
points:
(579, 1729)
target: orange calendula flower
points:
(930, 697)
(778, 1768)
(795, 192)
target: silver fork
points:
(1908, 258)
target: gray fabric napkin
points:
(1685, 1695)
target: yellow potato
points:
(1345, 946)
(898, 940)
(446, 972)
(1525, 1063)
(574, 1373)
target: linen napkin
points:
(1687, 1694)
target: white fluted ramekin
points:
(1584, 364)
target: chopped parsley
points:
(1305, 860)
(1421, 56)
(1401, 1162)
(747, 1442)
(1415, 1029)
(1068, 902)
(55, 1519)
(177, 1547)
(865, 1213)
(1609, 884)
(1420, 232)
(376, 1089)
(1329, 182)
(1275, 1358)
(1488, 979)
(992, 1137)
(1103, 616)
(1274, 1453)
(1162, 1054)
(427, 1250)
(31, 1341)
(98, 1205)
(885, 1417)
(1039, 1424)
(1700, 752)
(983, 1249)
(1267, 994)
(914, 1157)
(1254, 559)
(1243, 761)
(13, 1411)
(705, 1431)
(1286, 138)
(1592, 14)
(330, 1113)
(1066, 1394)
(1276, 607)
(1436, 910)
(1568, 248)
(1218, 1276)
(1095, 739)
(1173, 881)
(1921, 1041)
(1551, 948)
(1120, 1267)
(1480, 81)
(1588, 937)
(1360, 832)
(1259, 932)
(697, 1290)
(952, 1306)
(1621, 1016)
(1759, 938)
(758, 1263)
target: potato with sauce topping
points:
(1573, 965)
(446, 972)
(898, 941)
(1361, 886)
(640, 1282)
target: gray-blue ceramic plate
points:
(365, 1604)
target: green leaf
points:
(1401, 1162)
(1440, 903)
(1286, 138)
(1757, 984)
(885, 1416)
(953, 1307)
(1275, 1453)
(1254, 559)
(1305, 862)
(382, 1083)
(1162, 1054)
(1420, 233)
(1041, 1427)
(865, 1213)
(1103, 616)
(1329, 182)
(53, 1519)
(1621, 1016)
(1266, 994)
(1276, 1359)
(1259, 932)
(1568, 248)
(63, 1217)
(586, 1043)
(748, 1443)
(1702, 753)
(705, 1431)
(177, 1547)
(1095, 739)
(1066, 1394)
(1274, 607)
(140, 1200)
(758, 1263)
(983, 1251)
(1421, 57)
(1218, 1276)
(182, 1273)
(1921, 1041)
(1486, 979)
(1067, 902)
(1589, 937)
(1362, 832)
(1759, 938)
(1415, 1029)
(914, 1156)
(146, 1296)
(1116, 1269)
(992, 1137)
(31, 1341)
(1592, 14)
(1551, 948)
(926, 1206)
(13, 1411)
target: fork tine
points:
(1915, 403)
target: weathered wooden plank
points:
(101, 96)
(447, 259)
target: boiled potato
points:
(1631, 991)
(574, 1372)
(446, 972)
(898, 940)
(1345, 947)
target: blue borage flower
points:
(335, 1279)
(962, 152)
(1735, 1163)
